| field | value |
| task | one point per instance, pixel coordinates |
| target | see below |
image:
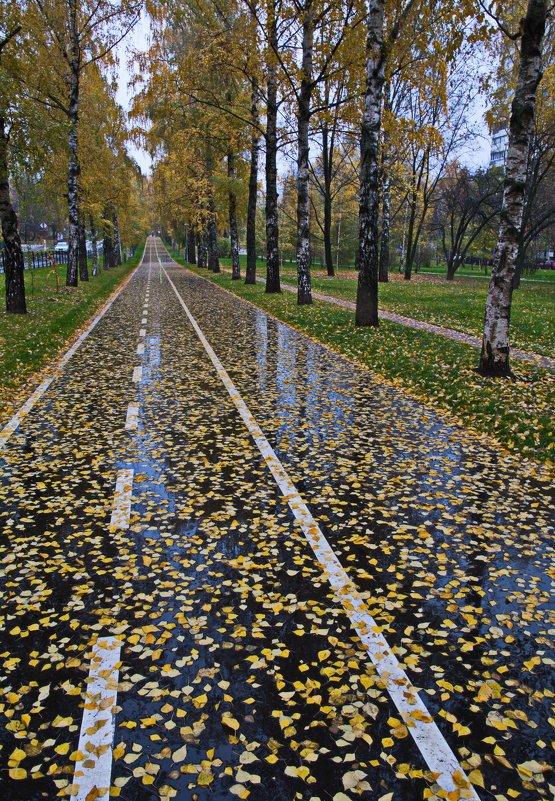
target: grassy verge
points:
(459, 305)
(433, 369)
(29, 341)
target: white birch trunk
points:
(304, 294)
(494, 358)
(368, 251)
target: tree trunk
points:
(383, 270)
(250, 277)
(191, 250)
(233, 234)
(494, 358)
(304, 294)
(367, 289)
(213, 260)
(117, 240)
(272, 230)
(13, 255)
(201, 247)
(409, 257)
(108, 245)
(94, 269)
(519, 264)
(73, 163)
(327, 168)
(83, 264)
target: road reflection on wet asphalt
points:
(240, 673)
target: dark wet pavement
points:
(222, 609)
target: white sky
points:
(136, 40)
(476, 155)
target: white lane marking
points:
(144, 321)
(94, 767)
(436, 752)
(132, 419)
(140, 349)
(142, 332)
(13, 424)
(137, 375)
(121, 510)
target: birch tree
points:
(494, 357)
(69, 36)
(10, 28)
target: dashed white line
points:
(13, 424)
(132, 418)
(140, 349)
(435, 750)
(142, 332)
(93, 769)
(137, 374)
(121, 510)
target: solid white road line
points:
(132, 418)
(137, 374)
(121, 509)
(435, 750)
(93, 769)
(13, 424)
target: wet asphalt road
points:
(222, 610)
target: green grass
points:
(436, 370)
(458, 304)
(29, 341)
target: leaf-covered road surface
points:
(235, 566)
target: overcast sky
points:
(135, 41)
(477, 155)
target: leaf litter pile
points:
(240, 675)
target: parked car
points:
(61, 247)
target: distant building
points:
(499, 146)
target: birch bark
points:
(213, 261)
(94, 242)
(117, 240)
(74, 65)
(250, 277)
(304, 294)
(82, 253)
(233, 234)
(272, 230)
(13, 255)
(494, 357)
(191, 251)
(367, 290)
